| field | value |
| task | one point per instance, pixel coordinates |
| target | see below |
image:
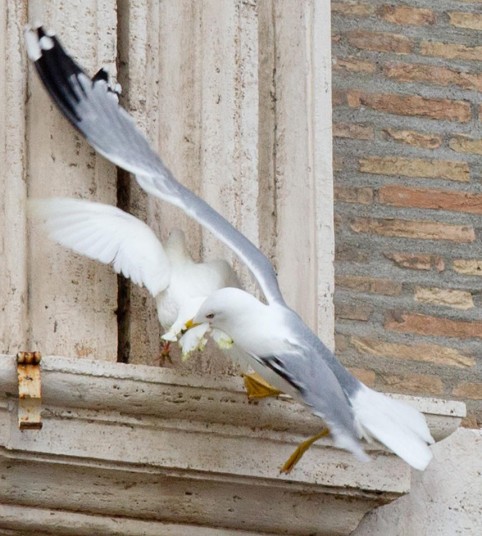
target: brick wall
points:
(407, 85)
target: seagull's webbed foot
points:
(165, 354)
(257, 387)
(300, 450)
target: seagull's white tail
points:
(395, 424)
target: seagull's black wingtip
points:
(101, 74)
(56, 68)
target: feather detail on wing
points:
(92, 108)
(106, 234)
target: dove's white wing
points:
(109, 235)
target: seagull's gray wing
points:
(319, 388)
(307, 365)
(92, 107)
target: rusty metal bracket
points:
(29, 391)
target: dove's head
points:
(176, 245)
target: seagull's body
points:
(110, 235)
(294, 360)
(284, 349)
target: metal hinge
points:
(29, 391)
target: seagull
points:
(112, 236)
(277, 340)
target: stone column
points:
(71, 300)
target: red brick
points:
(451, 50)
(351, 254)
(471, 390)
(414, 138)
(413, 383)
(399, 196)
(362, 196)
(352, 9)
(470, 421)
(465, 144)
(411, 105)
(462, 19)
(424, 230)
(353, 65)
(378, 41)
(417, 261)
(352, 130)
(366, 376)
(353, 312)
(338, 97)
(441, 76)
(429, 353)
(433, 326)
(385, 287)
(416, 167)
(406, 15)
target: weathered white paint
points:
(150, 443)
(13, 187)
(71, 301)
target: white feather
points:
(395, 424)
(33, 47)
(112, 236)
(109, 235)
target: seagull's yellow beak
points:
(191, 324)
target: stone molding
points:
(127, 443)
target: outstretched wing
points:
(106, 234)
(92, 107)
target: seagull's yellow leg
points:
(300, 450)
(257, 387)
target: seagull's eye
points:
(210, 315)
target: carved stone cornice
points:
(122, 444)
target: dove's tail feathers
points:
(395, 424)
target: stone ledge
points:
(142, 443)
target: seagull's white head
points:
(256, 328)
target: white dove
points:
(109, 235)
